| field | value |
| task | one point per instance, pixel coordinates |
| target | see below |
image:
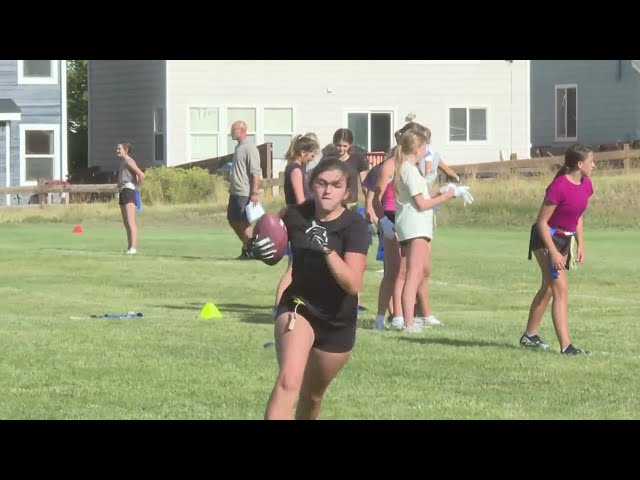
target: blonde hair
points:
(299, 144)
(410, 127)
(409, 143)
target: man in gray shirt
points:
(244, 184)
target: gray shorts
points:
(235, 209)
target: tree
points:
(77, 113)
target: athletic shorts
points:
(562, 243)
(126, 195)
(328, 338)
(235, 209)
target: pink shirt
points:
(389, 197)
(571, 201)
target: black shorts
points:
(328, 338)
(391, 216)
(562, 243)
(126, 195)
(235, 209)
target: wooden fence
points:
(624, 159)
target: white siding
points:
(122, 96)
(425, 88)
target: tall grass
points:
(510, 201)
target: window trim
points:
(563, 86)
(163, 133)
(467, 107)
(188, 129)
(263, 131)
(56, 150)
(369, 110)
(51, 80)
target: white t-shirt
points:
(411, 222)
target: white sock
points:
(397, 321)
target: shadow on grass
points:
(247, 313)
(455, 342)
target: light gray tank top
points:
(124, 175)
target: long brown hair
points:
(574, 154)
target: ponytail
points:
(290, 154)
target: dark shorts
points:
(235, 209)
(126, 195)
(404, 243)
(562, 243)
(391, 216)
(329, 338)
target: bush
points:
(164, 185)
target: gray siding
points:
(122, 97)
(608, 105)
(40, 104)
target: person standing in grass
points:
(130, 177)
(557, 241)
(315, 327)
(301, 151)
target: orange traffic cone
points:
(77, 229)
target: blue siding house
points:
(33, 123)
(588, 101)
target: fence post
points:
(627, 158)
(513, 158)
(281, 183)
(41, 196)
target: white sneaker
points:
(429, 321)
(397, 323)
(415, 328)
(131, 251)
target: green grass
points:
(57, 363)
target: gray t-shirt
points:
(245, 163)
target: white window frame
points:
(56, 150)
(218, 133)
(227, 130)
(369, 110)
(555, 110)
(467, 141)
(162, 132)
(51, 80)
(223, 120)
(260, 134)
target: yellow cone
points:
(210, 311)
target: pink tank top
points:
(389, 198)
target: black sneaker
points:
(533, 341)
(245, 255)
(573, 351)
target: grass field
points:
(58, 363)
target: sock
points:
(528, 334)
(565, 348)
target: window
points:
(566, 113)
(203, 133)
(372, 131)
(38, 71)
(278, 129)
(158, 135)
(248, 116)
(38, 153)
(467, 124)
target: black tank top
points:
(289, 195)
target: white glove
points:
(460, 191)
(465, 194)
(388, 228)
